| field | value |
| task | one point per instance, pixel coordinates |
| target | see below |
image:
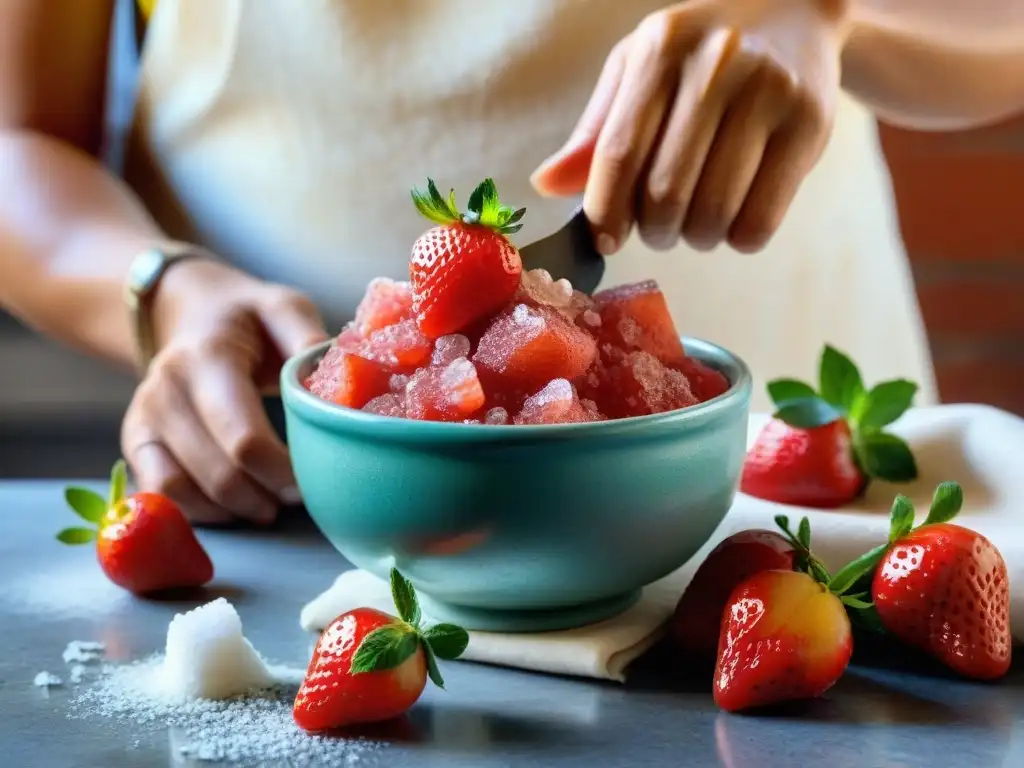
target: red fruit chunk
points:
(448, 349)
(556, 403)
(347, 379)
(451, 393)
(351, 339)
(496, 416)
(386, 302)
(705, 381)
(401, 347)
(538, 289)
(636, 317)
(697, 621)
(529, 346)
(784, 637)
(639, 385)
(390, 404)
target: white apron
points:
(286, 135)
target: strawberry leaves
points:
(93, 508)
(389, 646)
(484, 208)
(842, 395)
(946, 503)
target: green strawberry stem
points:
(842, 395)
(93, 508)
(389, 646)
(484, 208)
(801, 542)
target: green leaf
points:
(88, 505)
(901, 518)
(867, 619)
(808, 413)
(76, 536)
(840, 383)
(946, 503)
(435, 207)
(885, 403)
(886, 457)
(855, 602)
(782, 391)
(432, 669)
(803, 533)
(851, 573)
(404, 595)
(485, 204)
(385, 648)
(448, 641)
(118, 482)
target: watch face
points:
(145, 271)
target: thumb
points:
(293, 325)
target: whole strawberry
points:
(369, 666)
(942, 588)
(821, 449)
(143, 542)
(465, 268)
(697, 621)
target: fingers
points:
(156, 471)
(291, 320)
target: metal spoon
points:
(568, 253)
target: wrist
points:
(186, 285)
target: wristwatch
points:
(144, 275)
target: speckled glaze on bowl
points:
(520, 528)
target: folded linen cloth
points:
(979, 447)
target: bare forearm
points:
(936, 64)
(68, 233)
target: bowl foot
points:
(546, 620)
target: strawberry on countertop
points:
(464, 269)
(941, 588)
(369, 666)
(143, 541)
(785, 634)
(821, 449)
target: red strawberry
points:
(369, 666)
(822, 449)
(143, 541)
(697, 622)
(944, 589)
(465, 268)
(784, 637)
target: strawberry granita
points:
(552, 355)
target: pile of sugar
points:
(224, 702)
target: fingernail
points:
(291, 496)
(606, 244)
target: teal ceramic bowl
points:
(520, 528)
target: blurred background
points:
(958, 198)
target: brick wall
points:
(961, 206)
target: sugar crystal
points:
(46, 680)
(83, 651)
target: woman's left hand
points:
(704, 122)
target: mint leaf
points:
(384, 648)
(946, 503)
(88, 505)
(839, 380)
(852, 572)
(885, 403)
(808, 413)
(886, 457)
(76, 536)
(404, 595)
(448, 641)
(432, 669)
(782, 391)
(901, 518)
(118, 482)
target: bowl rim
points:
(298, 401)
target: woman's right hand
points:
(196, 430)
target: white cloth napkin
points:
(980, 447)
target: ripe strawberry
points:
(784, 634)
(143, 541)
(465, 268)
(697, 621)
(822, 448)
(369, 666)
(943, 588)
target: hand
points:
(196, 430)
(704, 122)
